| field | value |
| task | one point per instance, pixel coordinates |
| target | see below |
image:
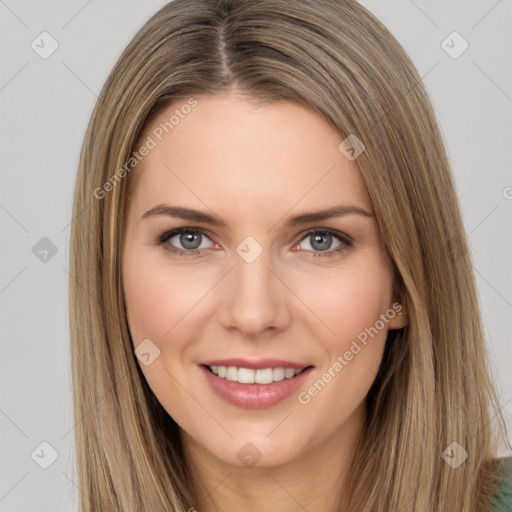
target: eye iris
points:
(186, 238)
(325, 245)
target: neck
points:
(314, 480)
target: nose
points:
(257, 299)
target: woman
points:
(274, 305)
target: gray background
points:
(46, 104)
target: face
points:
(246, 285)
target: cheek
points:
(350, 300)
(158, 305)
(352, 304)
(148, 304)
(358, 306)
(157, 302)
(354, 310)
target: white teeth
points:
(249, 376)
(264, 376)
(278, 374)
(245, 376)
(289, 373)
(232, 373)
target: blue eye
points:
(191, 239)
(320, 239)
(187, 237)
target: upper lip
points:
(258, 364)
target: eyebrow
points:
(206, 218)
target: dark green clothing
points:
(503, 501)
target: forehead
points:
(228, 150)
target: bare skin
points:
(254, 167)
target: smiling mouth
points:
(251, 376)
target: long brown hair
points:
(433, 387)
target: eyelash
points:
(345, 240)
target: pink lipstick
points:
(255, 384)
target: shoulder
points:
(503, 501)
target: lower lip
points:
(255, 396)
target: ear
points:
(400, 318)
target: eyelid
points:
(171, 233)
(334, 232)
